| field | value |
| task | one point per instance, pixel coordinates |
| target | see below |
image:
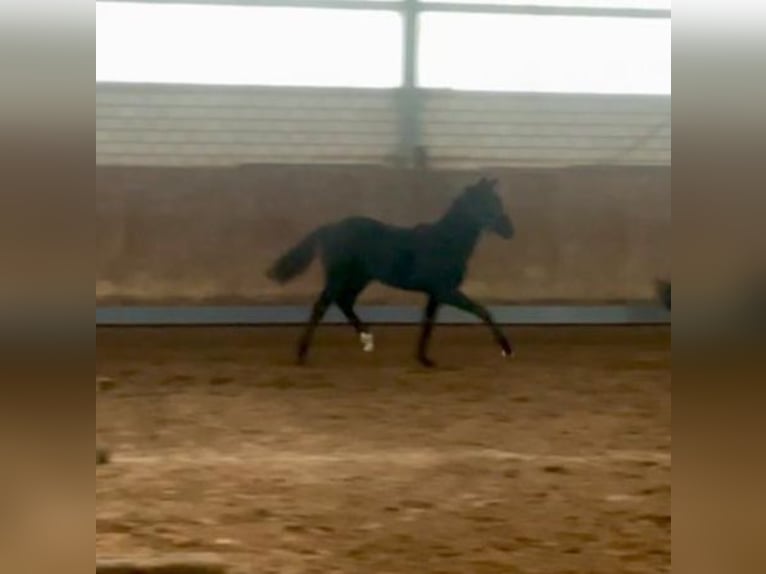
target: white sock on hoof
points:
(368, 342)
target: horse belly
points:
(413, 276)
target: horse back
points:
(364, 240)
(407, 258)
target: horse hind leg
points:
(366, 338)
(318, 311)
(346, 300)
(342, 287)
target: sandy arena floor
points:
(555, 462)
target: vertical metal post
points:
(410, 42)
(410, 128)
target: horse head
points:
(483, 205)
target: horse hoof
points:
(427, 363)
(509, 354)
(102, 456)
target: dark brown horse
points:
(430, 258)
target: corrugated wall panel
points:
(198, 125)
(464, 129)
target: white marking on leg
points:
(368, 342)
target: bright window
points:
(545, 53)
(200, 44)
(216, 44)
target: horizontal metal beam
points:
(404, 315)
(401, 6)
(531, 9)
(389, 5)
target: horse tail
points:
(296, 260)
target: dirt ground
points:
(555, 462)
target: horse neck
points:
(458, 232)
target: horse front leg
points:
(429, 316)
(461, 301)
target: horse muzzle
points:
(503, 227)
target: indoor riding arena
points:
(219, 452)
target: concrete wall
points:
(206, 235)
